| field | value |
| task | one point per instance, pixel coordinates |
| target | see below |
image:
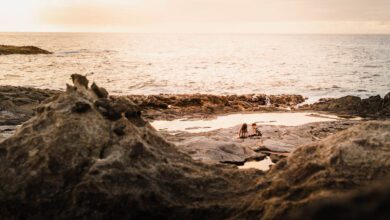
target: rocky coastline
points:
(8, 50)
(84, 154)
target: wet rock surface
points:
(7, 50)
(374, 106)
(223, 145)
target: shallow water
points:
(261, 165)
(227, 121)
(312, 65)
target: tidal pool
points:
(261, 165)
(227, 121)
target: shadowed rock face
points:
(171, 106)
(7, 50)
(369, 203)
(17, 103)
(374, 106)
(87, 156)
(327, 169)
(74, 158)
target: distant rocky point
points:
(7, 50)
(372, 107)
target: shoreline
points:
(19, 104)
(85, 154)
(23, 100)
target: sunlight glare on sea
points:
(315, 66)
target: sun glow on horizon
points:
(197, 16)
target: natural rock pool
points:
(260, 165)
(227, 121)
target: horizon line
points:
(193, 33)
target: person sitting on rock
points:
(243, 133)
(255, 131)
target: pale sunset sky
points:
(197, 16)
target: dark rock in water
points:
(193, 101)
(373, 106)
(165, 105)
(81, 107)
(79, 80)
(99, 91)
(7, 50)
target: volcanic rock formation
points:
(374, 106)
(86, 155)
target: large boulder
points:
(330, 168)
(91, 157)
(86, 155)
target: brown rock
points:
(373, 106)
(7, 50)
(99, 91)
(81, 107)
(61, 165)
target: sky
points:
(197, 16)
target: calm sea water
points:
(312, 65)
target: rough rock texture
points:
(166, 106)
(196, 105)
(7, 49)
(328, 169)
(372, 202)
(17, 103)
(223, 145)
(87, 157)
(374, 106)
(66, 164)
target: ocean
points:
(315, 66)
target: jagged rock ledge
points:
(17, 104)
(86, 155)
(373, 107)
(168, 106)
(158, 106)
(8, 49)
